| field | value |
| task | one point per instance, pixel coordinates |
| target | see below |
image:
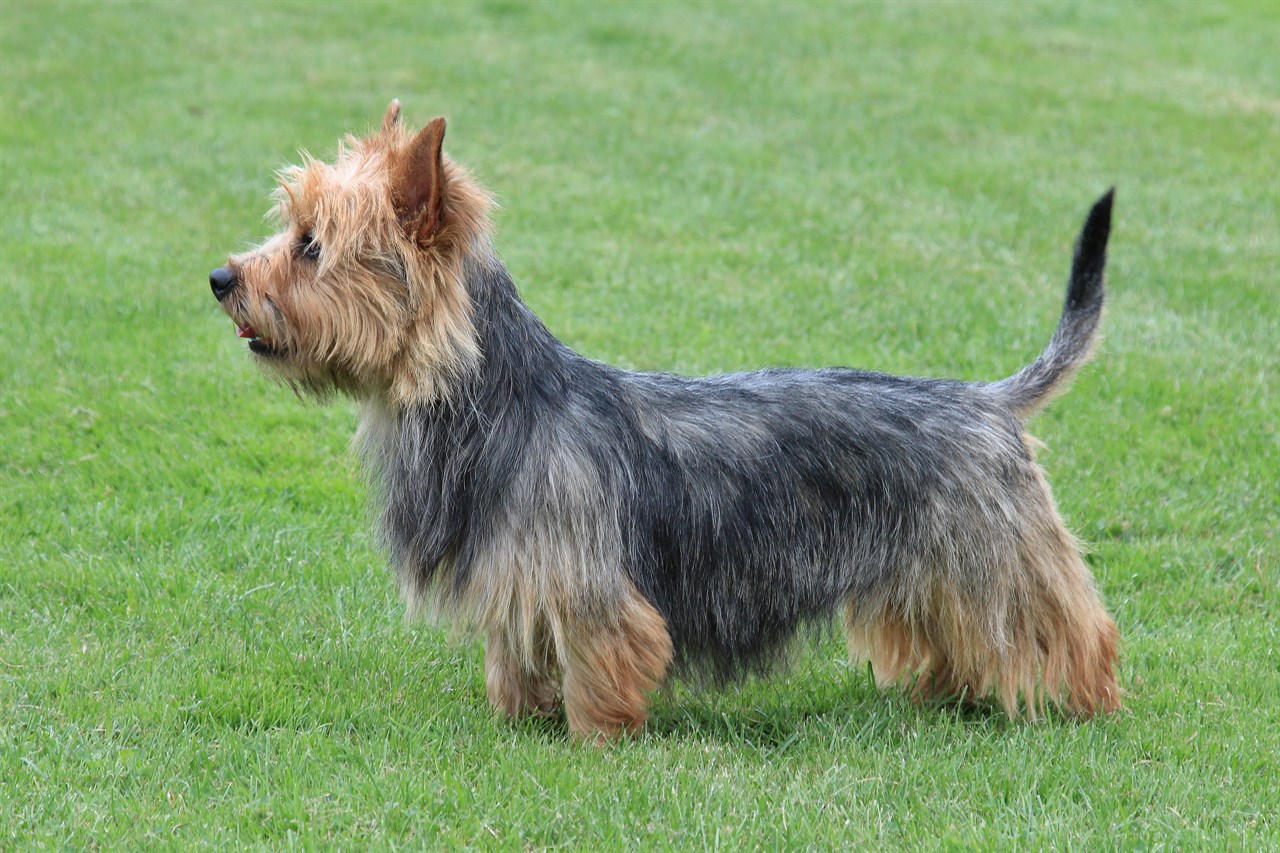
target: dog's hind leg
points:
(1066, 626)
(1032, 631)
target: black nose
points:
(222, 281)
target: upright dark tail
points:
(1072, 343)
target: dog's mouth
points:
(257, 343)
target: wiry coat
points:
(600, 525)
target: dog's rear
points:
(1019, 616)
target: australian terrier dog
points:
(604, 529)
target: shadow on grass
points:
(774, 714)
(792, 716)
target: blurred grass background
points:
(198, 644)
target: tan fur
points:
(336, 321)
(606, 662)
(1047, 637)
(607, 673)
(607, 656)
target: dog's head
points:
(361, 289)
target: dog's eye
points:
(308, 247)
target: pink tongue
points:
(246, 331)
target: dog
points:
(605, 529)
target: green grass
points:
(198, 643)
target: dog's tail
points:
(1072, 343)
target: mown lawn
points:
(199, 645)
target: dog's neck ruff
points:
(441, 464)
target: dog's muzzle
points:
(222, 281)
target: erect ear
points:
(392, 118)
(419, 182)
